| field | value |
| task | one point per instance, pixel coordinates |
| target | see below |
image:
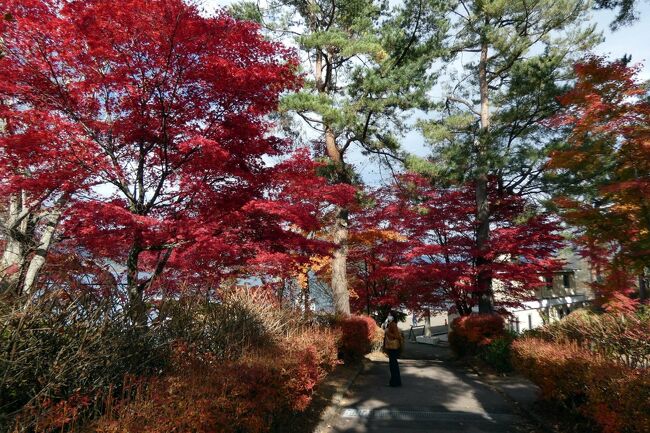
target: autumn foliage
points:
(204, 394)
(140, 132)
(234, 365)
(146, 125)
(415, 246)
(359, 336)
(615, 397)
(152, 213)
(471, 333)
(624, 338)
(604, 171)
(595, 364)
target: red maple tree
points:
(430, 259)
(147, 125)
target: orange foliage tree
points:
(603, 174)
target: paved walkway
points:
(435, 397)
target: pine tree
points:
(520, 54)
(365, 65)
(626, 11)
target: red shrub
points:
(358, 335)
(46, 414)
(560, 370)
(203, 394)
(616, 397)
(622, 338)
(469, 333)
(308, 358)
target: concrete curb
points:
(334, 407)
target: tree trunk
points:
(339, 280)
(643, 284)
(367, 284)
(339, 264)
(137, 309)
(463, 309)
(13, 256)
(484, 278)
(306, 301)
(427, 323)
(38, 260)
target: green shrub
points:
(497, 354)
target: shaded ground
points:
(321, 407)
(436, 396)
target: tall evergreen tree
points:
(516, 57)
(626, 11)
(365, 66)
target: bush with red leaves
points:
(359, 336)
(204, 394)
(470, 333)
(615, 397)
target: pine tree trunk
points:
(339, 280)
(339, 264)
(484, 278)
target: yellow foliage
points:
(371, 236)
(315, 264)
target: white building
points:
(566, 291)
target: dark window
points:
(566, 280)
(549, 282)
(530, 321)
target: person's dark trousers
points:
(395, 379)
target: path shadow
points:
(434, 398)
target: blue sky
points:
(632, 40)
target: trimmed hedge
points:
(360, 335)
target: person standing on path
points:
(393, 342)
